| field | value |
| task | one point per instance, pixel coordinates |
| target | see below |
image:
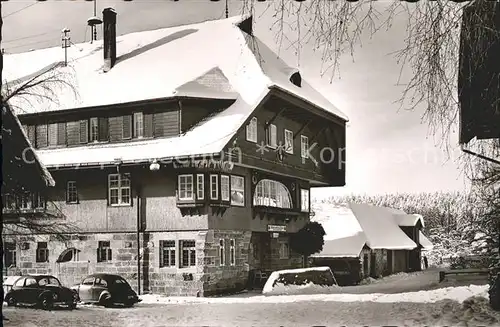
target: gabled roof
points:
(409, 220)
(160, 64)
(345, 247)
(22, 168)
(381, 229)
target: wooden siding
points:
(92, 212)
(166, 123)
(327, 135)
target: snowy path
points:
(311, 313)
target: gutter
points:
(480, 156)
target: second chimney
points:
(109, 22)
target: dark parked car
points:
(44, 291)
(106, 290)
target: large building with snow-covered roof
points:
(184, 155)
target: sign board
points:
(205, 164)
(276, 228)
(276, 235)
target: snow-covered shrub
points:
(319, 276)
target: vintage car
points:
(44, 291)
(106, 290)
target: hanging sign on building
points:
(205, 164)
(276, 228)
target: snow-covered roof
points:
(380, 228)
(425, 242)
(345, 247)
(158, 64)
(409, 219)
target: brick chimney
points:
(109, 26)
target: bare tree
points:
(431, 48)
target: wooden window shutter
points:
(52, 134)
(41, 136)
(84, 131)
(148, 125)
(127, 127)
(158, 124)
(61, 134)
(160, 248)
(32, 135)
(99, 255)
(110, 254)
(73, 133)
(103, 129)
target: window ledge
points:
(120, 205)
(275, 210)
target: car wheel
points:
(106, 301)
(11, 301)
(71, 306)
(46, 302)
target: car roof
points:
(38, 276)
(105, 276)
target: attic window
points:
(296, 79)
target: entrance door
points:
(373, 261)
(389, 262)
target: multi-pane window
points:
(24, 201)
(188, 253)
(288, 141)
(38, 201)
(214, 187)
(251, 130)
(185, 187)
(304, 146)
(238, 191)
(10, 254)
(71, 192)
(42, 252)
(232, 252)
(224, 187)
(272, 193)
(284, 250)
(104, 253)
(127, 127)
(94, 129)
(138, 125)
(200, 186)
(222, 253)
(167, 254)
(119, 189)
(304, 200)
(272, 136)
(84, 137)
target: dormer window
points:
(252, 130)
(296, 79)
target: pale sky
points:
(387, 150)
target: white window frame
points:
(284, 254)
(289, 137)
(179, 187)
(200, 186)
(190, 250)
(251, 130)
(304, 200)
(272, 136)
(138, 121)
(304, 146)
(42, 251)
(232, 252)
(120, 189)
(225, 188)
(235, 188)
(167, 248)
(212, 189)
(271, 193)
(222, 253)
(71, 189)
(94, 129)
(105, 251)
(38, 201)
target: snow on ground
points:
(458, 294)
